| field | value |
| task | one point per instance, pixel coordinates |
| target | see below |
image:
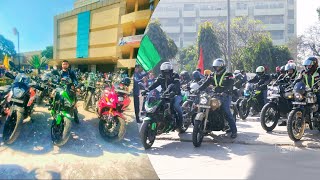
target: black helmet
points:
(185, 75)
(196, 75)
(166, 69)
(282, 69)
(218, 66)
(311, 61)
(126, 81)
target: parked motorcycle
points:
(4, 103)
(113, 102)
(21, 98)
(305, 111)
(252, 100)
(189, 107)
(90, 99)
(63, 111)
(45, 84)
(279, 105)
(160, 116)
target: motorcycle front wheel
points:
(87, 101)
(112, 128)
(12, 127)
(269, 117)
(296, 125)
(60, 133)
(197, 134)
(147, 135)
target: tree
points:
(208, 41)
(243, 31)
(309, 42)
(318, 11)
(188, 58)
(6, 47)
(48, 52)
(166, 47)
(37, 63)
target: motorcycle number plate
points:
(203, 106)
(299, 103)
(17, 100)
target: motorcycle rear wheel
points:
(295, 133)
(12, 127)
(60, 133)
(147, 135)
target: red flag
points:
(200, 62)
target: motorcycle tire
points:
(291, 124)
(243, 109)
(12, 127)
(197, 135)
(107, 135)
(87, 101)
(263, 117)
(40, 98)
(60, 133)
(147, 135)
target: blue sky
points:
(33, 19)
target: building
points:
(181, 19)
(24, 58)
(101, 35)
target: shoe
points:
(228, 131)
(234, 135)
(283, 123)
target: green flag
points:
(148, 56)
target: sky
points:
(34, 20)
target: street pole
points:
(19, 50)
(229, 38)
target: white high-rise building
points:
(180, 19)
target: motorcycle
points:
(113, 102)
(4, 103)
(21, 99)
(160, 116)
(189, 107)
(210, 117)
(252, 100)
(90, 99)
(279, 105)
(305, 111)
(63, 111)
(45, 84)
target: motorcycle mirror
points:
(9, 75)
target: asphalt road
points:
(85, 156)
(254, 154)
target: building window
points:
(276, 35)
(190, 35)
(189, 7)
(290, 14)
(206, 7)
(242, 6)
(290, 1)
(273, 19)
(291, 28)
(189, 21)
(261, 5)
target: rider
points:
(261, 81)
(291, 73)
(223, 84)
(184, 77)
(166, 78)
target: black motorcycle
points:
(279, 105)
(4, 104)
(45, 84)
(90, 97)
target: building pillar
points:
(136, 6)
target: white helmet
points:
(218, 66)
(166, 68)
(260, 70)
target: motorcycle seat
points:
(5, 88)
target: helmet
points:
(278, 69)
(282, 70)
(219, 66)
(236, 72)
(126, 81)
(207, 72)
(260, 70)
(166, 69)
(310, 64)
(196, 75)
(185, 75)
(290, 66)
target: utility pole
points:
(229, 39)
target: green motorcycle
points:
(63, 111)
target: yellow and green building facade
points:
(101, 35)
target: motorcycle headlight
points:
(203, 100)
(298, 97)
(17, 92)
(288, 95)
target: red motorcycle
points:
(113, 102)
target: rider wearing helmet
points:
(291, 73)
(261, 80)
(166, 78)
(196, 76)
(184, 77)
(223, 84)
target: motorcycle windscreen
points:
(153, 99)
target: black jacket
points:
(301, 77)
(68, 73)
(262, 81)
(164, 83)
(227, 83)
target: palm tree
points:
(37, 63)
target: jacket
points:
(221, 83)
(262, 81)
(308, 79)
(164, 83)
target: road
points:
(85, 156)
(254, 154)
